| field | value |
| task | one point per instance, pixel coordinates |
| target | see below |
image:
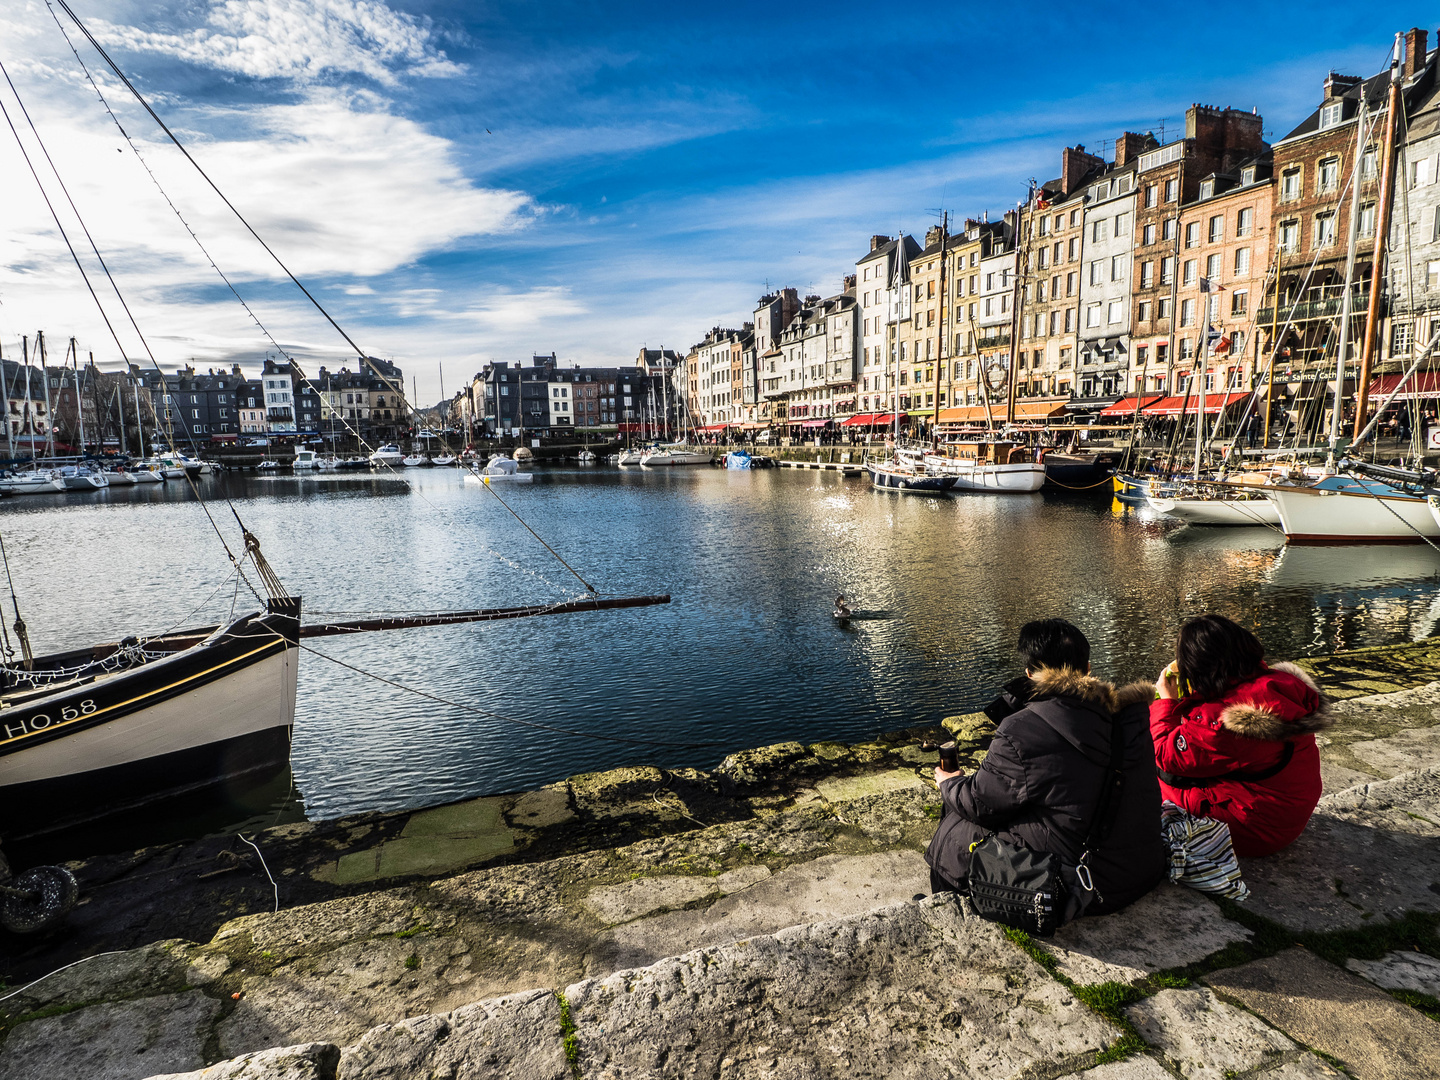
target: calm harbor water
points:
(746, 654)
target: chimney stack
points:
(1130, 146)
(878, 241)
(1075, 165)
(1337, 85)
(1416, 42)
(932, 235)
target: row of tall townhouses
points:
(1211, 254)
(547, 399)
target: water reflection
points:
(747, 653)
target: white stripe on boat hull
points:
(256, 698)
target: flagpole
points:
(1204, 364)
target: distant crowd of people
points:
(1222, 736)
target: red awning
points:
(815, 423)
(713, 428)
(1173, 406)
(1126, 406)
(1421, 386)
(872, 419)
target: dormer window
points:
(1207, 189)
(1247, 176)
(1330, 115)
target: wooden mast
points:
(1382, 229)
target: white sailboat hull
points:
(630, 457)
(1320, 517)
(1219, 511)
(674, 457)
(1019, 478)
(32, 485)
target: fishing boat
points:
(987, 466)
(388, 454)
(95, 731)
(1353, 510)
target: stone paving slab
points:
(1331, 1010)
(1134, 1068)
(635, 899)
(307, 1061)
(1143, 939)
(1405, 751)
(1203, 1037)
(1369, 851)
(127, 1040)
(509, 1038)
(913, 990)
(843, 789)
(824, 888)
(1401, 971)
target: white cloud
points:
(296, 39)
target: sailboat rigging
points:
(90, 732)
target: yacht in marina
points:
(674, 454)
(389, 454)
(1354, 510)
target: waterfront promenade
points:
(758, 919)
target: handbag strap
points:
(1107, 805)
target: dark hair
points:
(1053, 643)
(1213, 654)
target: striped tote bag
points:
(1201, 855)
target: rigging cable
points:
(508, 719)
(73, 255)
(206, 176)
(263, 329)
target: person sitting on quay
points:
(1235, 737)
(1040, 782)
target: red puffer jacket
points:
(1249, 759)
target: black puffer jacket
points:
(1039, 784)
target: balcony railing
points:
(1317, 309)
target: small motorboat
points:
(267, 466)
(842, 610)
(738, 459)
(305, 460)
(500, 469)
(523, 453)
(586, 456)
(387, 455)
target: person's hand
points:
(941, 775)
(1167, 685)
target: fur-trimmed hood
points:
(1273, 709)
(1067, 682)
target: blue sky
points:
(461, 182)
